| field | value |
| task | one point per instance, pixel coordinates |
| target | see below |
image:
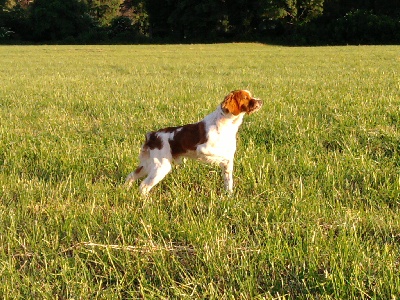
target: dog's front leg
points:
(227, 174)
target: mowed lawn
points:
(316, 209)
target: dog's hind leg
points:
(155, 176)
(140, 171)
(135, 175)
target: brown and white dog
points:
(212, 140)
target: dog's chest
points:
(221, 137)
(220, 145)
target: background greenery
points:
(299, 22)
(315, 212)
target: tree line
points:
(299, 22)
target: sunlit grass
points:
(315, 212)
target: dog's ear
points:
(231, 104)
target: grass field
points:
(316, 208)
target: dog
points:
(212, 140)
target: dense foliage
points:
(286, 21)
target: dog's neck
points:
(227, 117)
(222, 119)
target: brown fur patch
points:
(138, 169)
(230, 104)
(153, 141)
(186, 138)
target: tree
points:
(159, 12)
(191, 19)
(136, 11)
(14, 19)
(244, 16)
(104, 10)
(58, 19)
(293, 13)
(338, 8)
(2, 10)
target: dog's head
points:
(240, 101)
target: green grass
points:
(315, 212)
